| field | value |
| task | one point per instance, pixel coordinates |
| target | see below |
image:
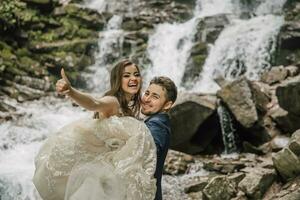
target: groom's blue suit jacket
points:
(159, 125)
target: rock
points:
(42, 2)
(257, 181)
(287, 163)
(81, 45)
(88, 18)
(197, 185)
(292, 70)
(261, 96)
(195, 195)
(209, 28)
(289, 191)
(287, 122)
(219, 188)
(290, 38)
(177, 162)
(236, 178)
(195, 63)
(249, 148)
(288, 94)
(238, 98)
(294, 144)
(187, 115)
(224, 167)
(272, 191)
(275, 75)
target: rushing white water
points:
(228, 131)
(126, 6)
(214, 7)
(20, 140)
(270, 7)
(244, 48)
(168, 50)
(173, 186)
(169, 47)
(110, 44)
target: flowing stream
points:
(244, 47)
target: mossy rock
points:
(87, 17)
(198, 61)
(131, 25)
(6, 54)
(22, 52)
(199, 48)
(76, 45)
(14, 70)
(9, 11)
(31, 66)
(43, 2)
(3, 45)
(87, 33)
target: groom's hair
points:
(168, 85)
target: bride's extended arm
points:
(107, 105)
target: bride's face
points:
(131, 80)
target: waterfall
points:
(245, 47)
(168, 50)
(228, 131)
(110, 45)
(169, 47)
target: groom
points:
(156, 102)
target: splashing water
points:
(21, 139)
(110, 43)
(244, 48)
(168, 50)
(169, 47)
(228, 131)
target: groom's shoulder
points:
(159, 117)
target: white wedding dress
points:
(98, 159)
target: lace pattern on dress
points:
(117, 153)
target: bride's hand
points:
(63, 85)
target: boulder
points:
(219, 188)
(288, 94)
(257, 181)
(275, 75)
(237, 96)
(187, 115)
(287, 164)
(289, 191)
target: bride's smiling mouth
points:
(133, 85)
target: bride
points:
(111, 157)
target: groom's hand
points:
(63, 85)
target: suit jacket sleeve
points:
(159, 132)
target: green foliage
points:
(9, 11)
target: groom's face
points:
(154, 100)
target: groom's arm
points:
(160, 134)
